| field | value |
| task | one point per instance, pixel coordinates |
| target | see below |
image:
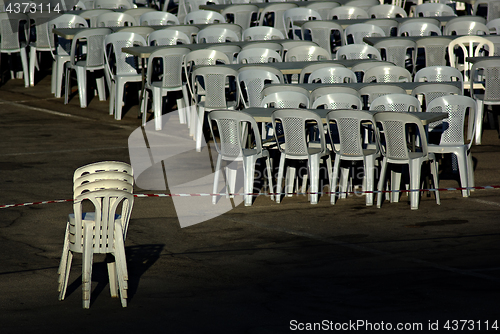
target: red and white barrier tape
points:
(261, 194)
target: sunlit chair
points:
(204, 17)
(347, 13)
(242, 15)
(468, 46)
(358, 51)
(272, 15)
(168, 37)
(426, 92)
(332, 74)
(307, 53)
(389, 26)
(337, 101)
(494, 26)
(158, 19)
(258, 55)
(396, 102)
(363, 4)
(400, 52)
(92, 15)
(386, 11)
(327, 34)
(252, 80)
(492, 8)
(261, 34)
(14, 39)
(387, 73)
(364, 65)
(308, 69)
(298, 14)
(466, 28)
(323, 7)
(136, 13)
(435, 51)
(434, 9)
(115, 19)
(41, 44)
(412, 28)
(439, 74)
(102, 166)
(355, 33)
(216, 35)
(371, 92)
(113, 4)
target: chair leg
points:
(67, 85)
(121, 264)
(157, 107)
(53, 77)
(181, 110)
(230, 180)
(216, 179)
(381, 182)
(249, 172)
(370, 178)
(112, 98)
(470, 171)
(65, 276)
(279, 180)
(270, 177)
(59, 77)
(461, 155)
(199, 127)
(479, 120)
(32, 65)
(435, 175)
(87, 259)
(24, 61)
(81, 79)
(113, 279)
(101, 87)
(395, 186)
(119, 92)
(333, 179)
(415, 167)
(144, 107)
(314, 175)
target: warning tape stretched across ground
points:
(264, 194)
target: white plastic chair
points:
(11, 34)
(165, 64)
(353, 144)
(386, 11)
(261, 34)
(439, 74)
(434, 9)
(216, 35)
(468, 46)
(347, 13)
(115, 19)
(136, 13)
(355, 33)
(393, 138)
(41, 44)
(466, 28)
(124, 69)
(323, 7)
(453, 138)
(428, 92)
(102, 166)
(204, 17)
(358, 51)
(231, 126)
(92, 15)
(158, 18)
(338, 101)
(307, 53)
(362, 66)
(258, 55)
(272, 15)
(168, 37)
(412, 28)
(143, 31)
(285, 99)
(363, 4)
(494, 26)
(370, 92)
(277, 47)
(400, 52)
(231, 50)
(387, 73)
(252, 80)
(103, 232)
(297, 14)
(93, 60)
(62, 49)
(335, 74)
(242, 15)
(492, 8)
(396, 102)
(308, 69)
(327, 34)
(80, 182)
(113, 4)
(299, 145)
(435, 50)
(327, 89)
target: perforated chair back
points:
(400, 52)
(371, 92)
(332, 75)
(212, 81)
(327, 34)
(358, 51)
(308, 69)
(396, 102)
(386, 11)
(323, 7)
(252, 80)
(261, 34)
(466, 28)
(115, 19)
(434, 9)
(435, 50)
(93, 54)
(204, 17)
(429, 92)
(412, 28)
(168, 37)
(326, 89)
(347, 13)
(272, 15)
(258, 55)
(216, 35)
(124, 62)
(285, 99)
(64, 21)
(338, 101)
(166, 64)
(307, 53)
(242, 15)
(158, 19)
(492, 8)
(488, 72)
(439, 74)
(355, 33)
(387, 73)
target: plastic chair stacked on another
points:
(453, 138)
(92, 60)
(299, 145)
(232, 147)
(14, 38)
(393, 132)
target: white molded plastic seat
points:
(115, 19)
(12, 40)
(396, 102)
(125, 67)
(41, 44)
(63, 48)
(439, 74)
(308, 69)
(307, 53)
(435, 50)
(204, 17)
(113, 4)
(355, 33)
(327, 34)
(347, 13)
(158, 19)
(428, 92)
(353, 144)
(232, 146)
(216, 35)
(136, 13)
(165, 64)
(487, 72)
(386, 11)
(80, 182)
(190, 30)
(168, 37)
(90, 58)
(323, 7)
(363, 4)
(466, 28)
(358, 51)
(400, 52)
(242, 15)
(492, 8)
(434, 9)
(335, 74)
(494, 26)
(332, 89)
(371, 92)
(454, 139)
(252, 80)
(264, 45)
(387, 73)
(389, 26)
(272, 15)
(103, 232)
(285, 99)
(392, 131)
(261, 34)
(258, 55)
(143, 31)
(468, 46)
(230, 50)
(412, 28)
(364, 65)
(300, 145)
(298, 14)
(92, 15)
(338, 101)
(102, 166)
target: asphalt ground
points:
(269, 268)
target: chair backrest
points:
(434, 9)
(10, 32)
(308, 69)
(212, 81)
(355, 33)
(143, 31)
(494, 26)
(389, 26)
(216, 35)
(107, 204)
(231, 126)
(459, 109)
(387, 73)
(263, 33)
(469, 46)
(204, 17)
(412, 28)
(124, 62)
(332, 89)
(272, 15)
(158, 18)
(347, 13)
(364, 4)
(400, 52)
(252, 80)
(93, 39)
(492, 8)
(327, 34)
(393, 134)
(323, 7)
(358, 51)
(359, 68)
(370, 92)
(242, 15)
(295, 123)
(258, 55)
(285, 99)
(489, 72)
(335, 74)
(350, 124)
(290, 43)
(265, 45)
(102, 176)
(102, 166)
(338, 101)
(307, 53)
(168, 37)
(190, 30)
(167, 65)
(136, 13)
(63, 21)
(298, 14)
(278, 88)
(426, 93)
(439, 74)
(92, 15)
(435, 50)
(466, 28)
(113, 4)
(396, 102)
(386, 11)
(115, 19)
